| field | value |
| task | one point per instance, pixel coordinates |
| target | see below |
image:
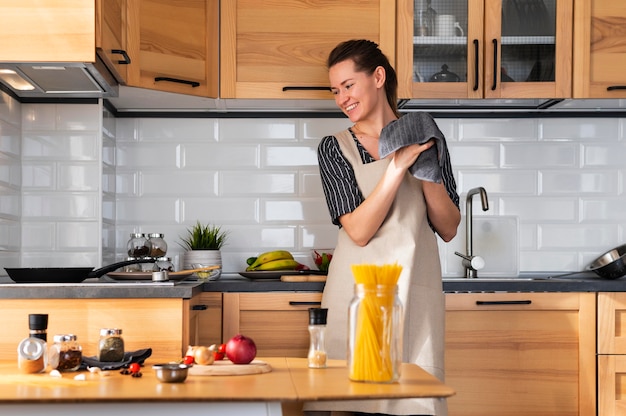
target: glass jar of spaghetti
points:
(375, 334)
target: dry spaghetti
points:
(375, 324)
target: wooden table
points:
(290, 382)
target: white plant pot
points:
(193, 258)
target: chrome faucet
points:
(472, 263)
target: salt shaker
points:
(317, 332)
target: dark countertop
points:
(526, 282)
(106, 288)
(99, 289)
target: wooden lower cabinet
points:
(521, 354)
(206, 319)
(276, 321)
(158, 323)
(611, 354)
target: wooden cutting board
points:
(303, 278)
(227, 368)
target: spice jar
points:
(32, 354)
(163, 264)
(65, 354)
(158, 246)
(375, 334)
(317, 333)
(138, 245)
(131, 268)
(111, 345)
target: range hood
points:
(58, 80)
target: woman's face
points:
(356, 93)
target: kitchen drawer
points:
(276, 321)
(611, 323)
(611, 388)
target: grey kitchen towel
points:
(411, 128)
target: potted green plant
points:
(202, 244)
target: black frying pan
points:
(65, 274)
(610, 265)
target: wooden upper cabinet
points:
(496, 49)
(111, 37)
(278, 49)
(600, 49)
(48, 31)
(173, 45)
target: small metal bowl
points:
(171, 373)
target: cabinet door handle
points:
(303, 303)
(476, 65)
(616, 87)
(495, 65)
(302, 88)
(503, 302)
(194, 84)
(199, 308)
(122, 52)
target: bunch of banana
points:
(272, 260)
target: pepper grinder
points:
(317, 332)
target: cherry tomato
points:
(188, 359)
(218, 355)
(134, 368)
(222, 348)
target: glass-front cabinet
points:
(484, 48)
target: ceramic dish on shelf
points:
(276, 274)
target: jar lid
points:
(164, 259)
(31, 349)
(137, 235)
(156, 235)
(65, 337)
(317, 316)
(38, 321)
(110, 331)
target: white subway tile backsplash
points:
(59, 205)
(164, 155)
(220, 210)
(541, 209)
(601, 155)
(201, 183)
(39, 236)
(477, 155)
(247, 183)
(560, 236)
(233, 130)
(313, 129)
(499, 182)
(275, 156)
(219, 156)
(537, 155)
(575, 129)
(79, 177)
(562, 177)
(497, 129)
(578, 182)
(78, 235)
(61, 145)
(177, 130)
(78, 117)
(39, 175)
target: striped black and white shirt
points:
(339, 182)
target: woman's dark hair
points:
(367, 56)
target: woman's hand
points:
(406, 156)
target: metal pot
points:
(610, 265)
(66, 274)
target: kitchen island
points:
(290, 382)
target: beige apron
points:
(405, 237)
